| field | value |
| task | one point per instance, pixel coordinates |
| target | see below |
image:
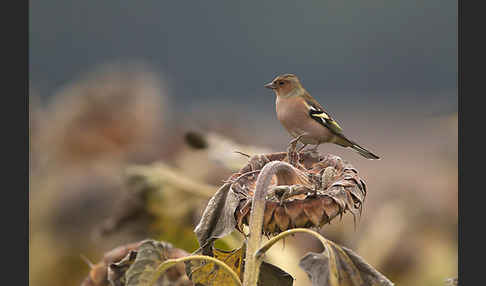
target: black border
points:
(471, 82)
(14, 120)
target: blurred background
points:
(119, 83)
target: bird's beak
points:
(270, 85)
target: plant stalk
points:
(252, 263)
(260, 252)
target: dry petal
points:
(281, 218)
(305, 201)
(314, 211)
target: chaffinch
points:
(305, 119)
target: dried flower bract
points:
(321, 188)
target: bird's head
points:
(286, 85)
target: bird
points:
(305, 119)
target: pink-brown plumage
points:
(305, 119)
(293, 115)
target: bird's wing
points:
(316, 112)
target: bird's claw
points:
(294, 141)
(292, 154)
(293, 157)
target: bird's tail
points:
(345, 142)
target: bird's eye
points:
(281, 83)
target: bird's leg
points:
(294, 141)
(301, 148)
(291, 154)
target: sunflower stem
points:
(260, 252)
(252, 262)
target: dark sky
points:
(231, 48)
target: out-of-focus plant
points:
(277, 194)
(82, 136)
(126, 265)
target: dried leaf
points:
(124, 262)
(129, 207)
(210, 274)
(147, 204)
(218, 219)
(120, 252)
(99, 273)
(338, 266)
(116, 271)
(150, 255)
(272, 275)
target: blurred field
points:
(85, 135)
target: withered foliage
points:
(338, 265)
(217, 220)
(324, 187)
(333, 187)
(147, 201)
(309, 193)
(113, 112)
(209, 274)
(130, 206)
(150, 255)
(206, 273)
(131, 263)
(98, 275)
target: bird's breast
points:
(290, 115)
(295, 118)
(284, 109)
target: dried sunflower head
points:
(320, 188)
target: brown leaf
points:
(120, 252)
(98, 275)
(132, 262)
(218, 219)
(116, 271)
(281, 218)
(314, 211)
(150, 255)
(272, 275)
(129, 207)
(338, 266)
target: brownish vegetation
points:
(109, 166)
